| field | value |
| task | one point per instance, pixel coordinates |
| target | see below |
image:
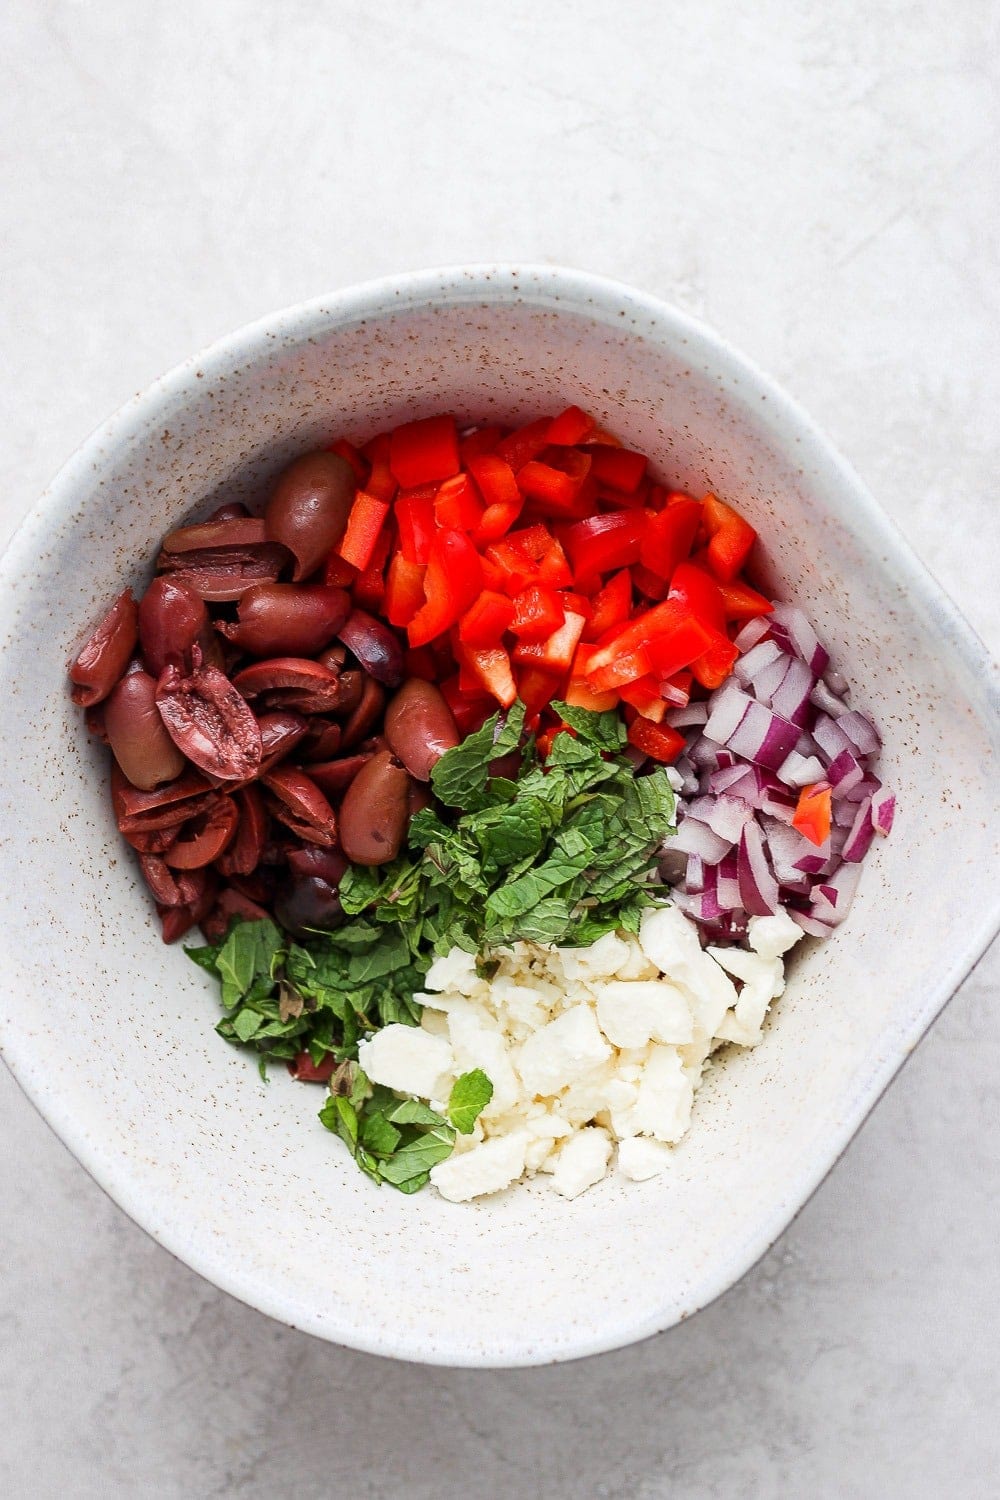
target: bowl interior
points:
(111, 1033)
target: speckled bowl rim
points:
(582, 293)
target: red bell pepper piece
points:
(610, 606)
(420, 662)
(669, 632)
(524, 443)
(515, 570)
(644, 695)
(487, 620)
(425, 450)
(730, 538)
(556, 654)
(453, 579)
(538, 612)
(347, 450)
(545, 551)
(627, 666)
(713, 667)
(697, 589)
(579, 695)
(490, 666)
(470, 712)
(503, 500)
(618, 468)
(659, 741)
(648, 583)
(606, 542)
(304, 1070)
(670, 536)
(415, 523)
(813, 812)
(483, 440)
(364, 524)
(369, 588)
(497, 521)
(456, 504)
(570, 427)
(536, 690)
(404, 591)
(547, 736)
(555, 485)
(741, 602)
(380, 482)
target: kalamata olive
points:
(308, 508)
(203, 839)
(233, 511)
(105, 656)
(169, 888)
(222, 574)
(172, 618)
(207, 718)
(136, 733)
(280, 732)
(243, 855)
(328, 864)
(373, 814)
(307, 904)
(333, 657)
(420, 727)
(231, 903)
(227, 531)
(335, 776)
(375, 646)
(322, 742)
(350, 691)
(287, 619)
(367, 714)
(295, 673)
(419, 798)
(257, 887)
(177, 920)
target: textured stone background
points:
(818, 180)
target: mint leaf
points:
(469, 1096)
(461, 775)
(605, 730)
(249, 953)
(410, 1167)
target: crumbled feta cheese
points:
(632, 1012)
(582, 1161)
(584, 1047)
(562, 1051)
(487, 1168)
(639, 1157)
(406, 1058)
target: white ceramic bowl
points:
(111, 1034)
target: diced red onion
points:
(758, 887)
(860, 835)
(727, 885)
(753, 631)
(830, 738)
(779, 802)
(694, 837)
(810, 924)
(791, 700)
(746, 668)
(801, 770)
(845, 773)
(883, 814)
(686, 717)
(861, 732)
(802, 636)
(694, 874)
(826, 701)
(671, 693)
(769, 680)
(726, 816)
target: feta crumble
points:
(587, 1048)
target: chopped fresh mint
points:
(469, 1096)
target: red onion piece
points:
(758, 887)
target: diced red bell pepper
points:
(556, 654)
(497, 521)
(304, 1070)
(502, 498)
(404, 591)
(570, 427)
(520, 446)
(369, 588)
(659, 741)
(424, 450)
(347, 450)
(813, 812)
(538, 612)
(546, 552)
(606, 542)
(698, 590)
(741, 602)
(483, 440)
(547, 736)
(515, 570)
(648, 583)
(486, 621)
(536, 690)
(490, 665)
(714, 665)
(619, 468)
(669, 537)
(730, 538)
(579, 695)
(380, 482)
(415, 523)
(364, 525)
(671, 634)
(555, 485)
(644, 694)
(469, 712)
(453, 580)
(456, 504)
(610, 606)
(626, 666)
